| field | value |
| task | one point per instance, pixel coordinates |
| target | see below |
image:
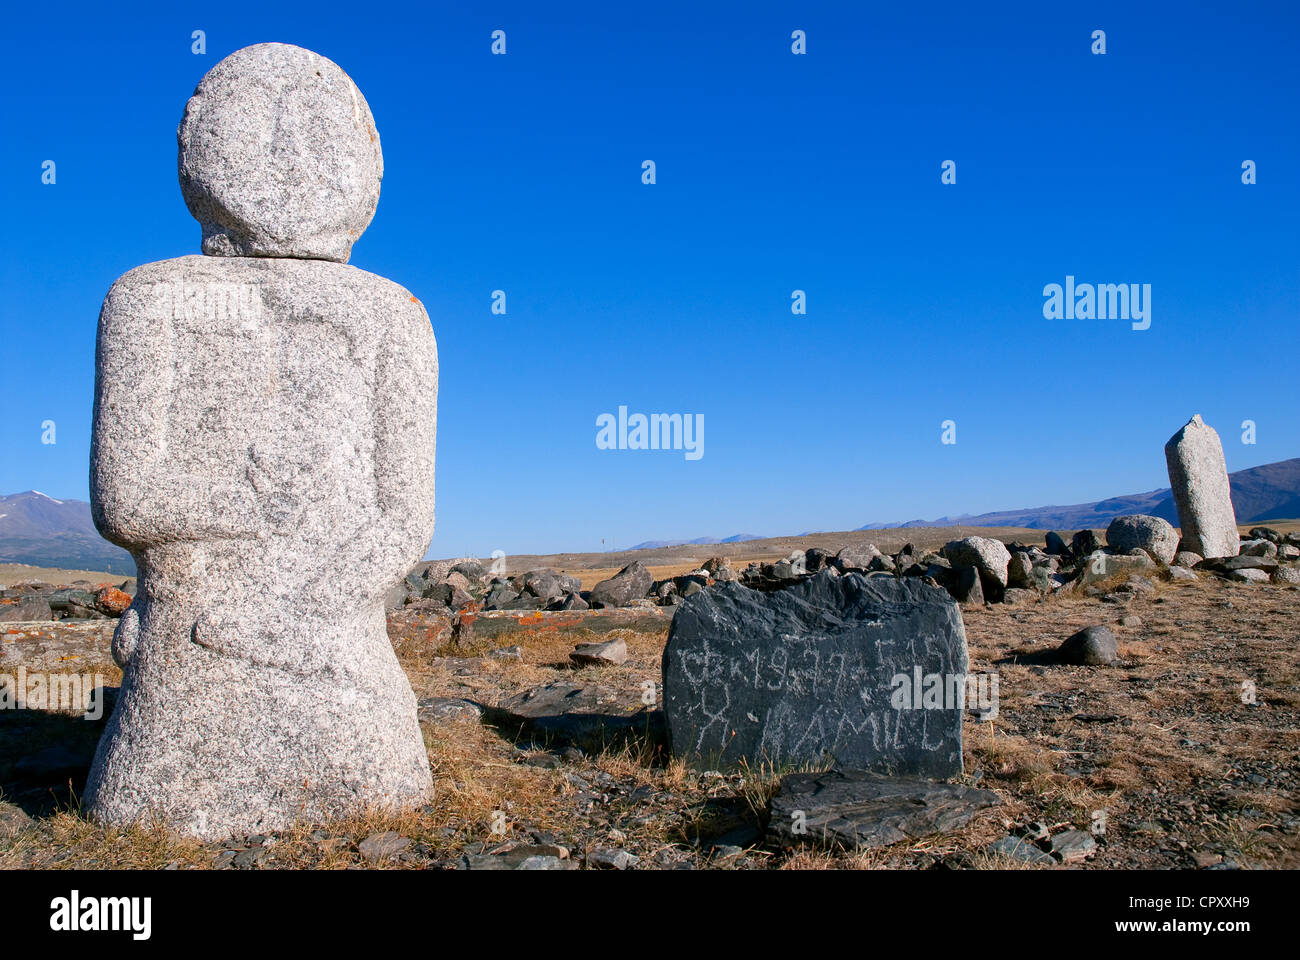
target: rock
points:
(966, 588)
(1020, 570)
(1084, 543)
(545, 584)
(826, 667)
(1073, 845)
(1102, 566)
(609, 858)
(1198, 475)
(381, 846)
(74, 604)
(25, 609)
(1248, 575)
(1227, 565)
(514, 652)
(1185, 558)
(1137, 584)
(435, 709)
(600, 654)
(1258, 548)
(856, 809)
(458, 581)
(1288, 552)
(990, 557)
(112, 601)
(631, 583)
(1091, 646)
(1181, 573)
(1286, 575)
(499, 595)
(1055, 545)
(1132, 622)
(882, 563)
(815, 558)
(591, 716)
(573, 601)
(471, 570)
(1138, 531)
(263, 445)
(856, 557)
(1265, 533)
(1018, 848)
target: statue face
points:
(279, 156)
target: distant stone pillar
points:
(263, 444)
(1199, 477)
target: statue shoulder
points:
(147, 291)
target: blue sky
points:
(775, 172)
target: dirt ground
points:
(1184, 755)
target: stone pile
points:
(34, 600)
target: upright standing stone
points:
(264, 446)
(1199, 477)
(866, 672)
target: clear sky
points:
(775, 172)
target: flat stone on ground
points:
(853, 808)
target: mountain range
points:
(39, 530)
(1259, 494)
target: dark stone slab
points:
(856, 809)
(1229, 564)
(823, 671)
(589, 716)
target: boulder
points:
(857, 557)
(990, 557)
(867, 671)
(1055, 545)
(543, 583)
(1091, 646)
(1084, 543)
(1249, 575)
(966, 588)
(631, 583)
(1258, 548)
(1020, 571)
(1138, 531)
(1198, 475)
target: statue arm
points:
(406, 414)
(137, 502)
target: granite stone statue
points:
(263, 444)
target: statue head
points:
(279, 156)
